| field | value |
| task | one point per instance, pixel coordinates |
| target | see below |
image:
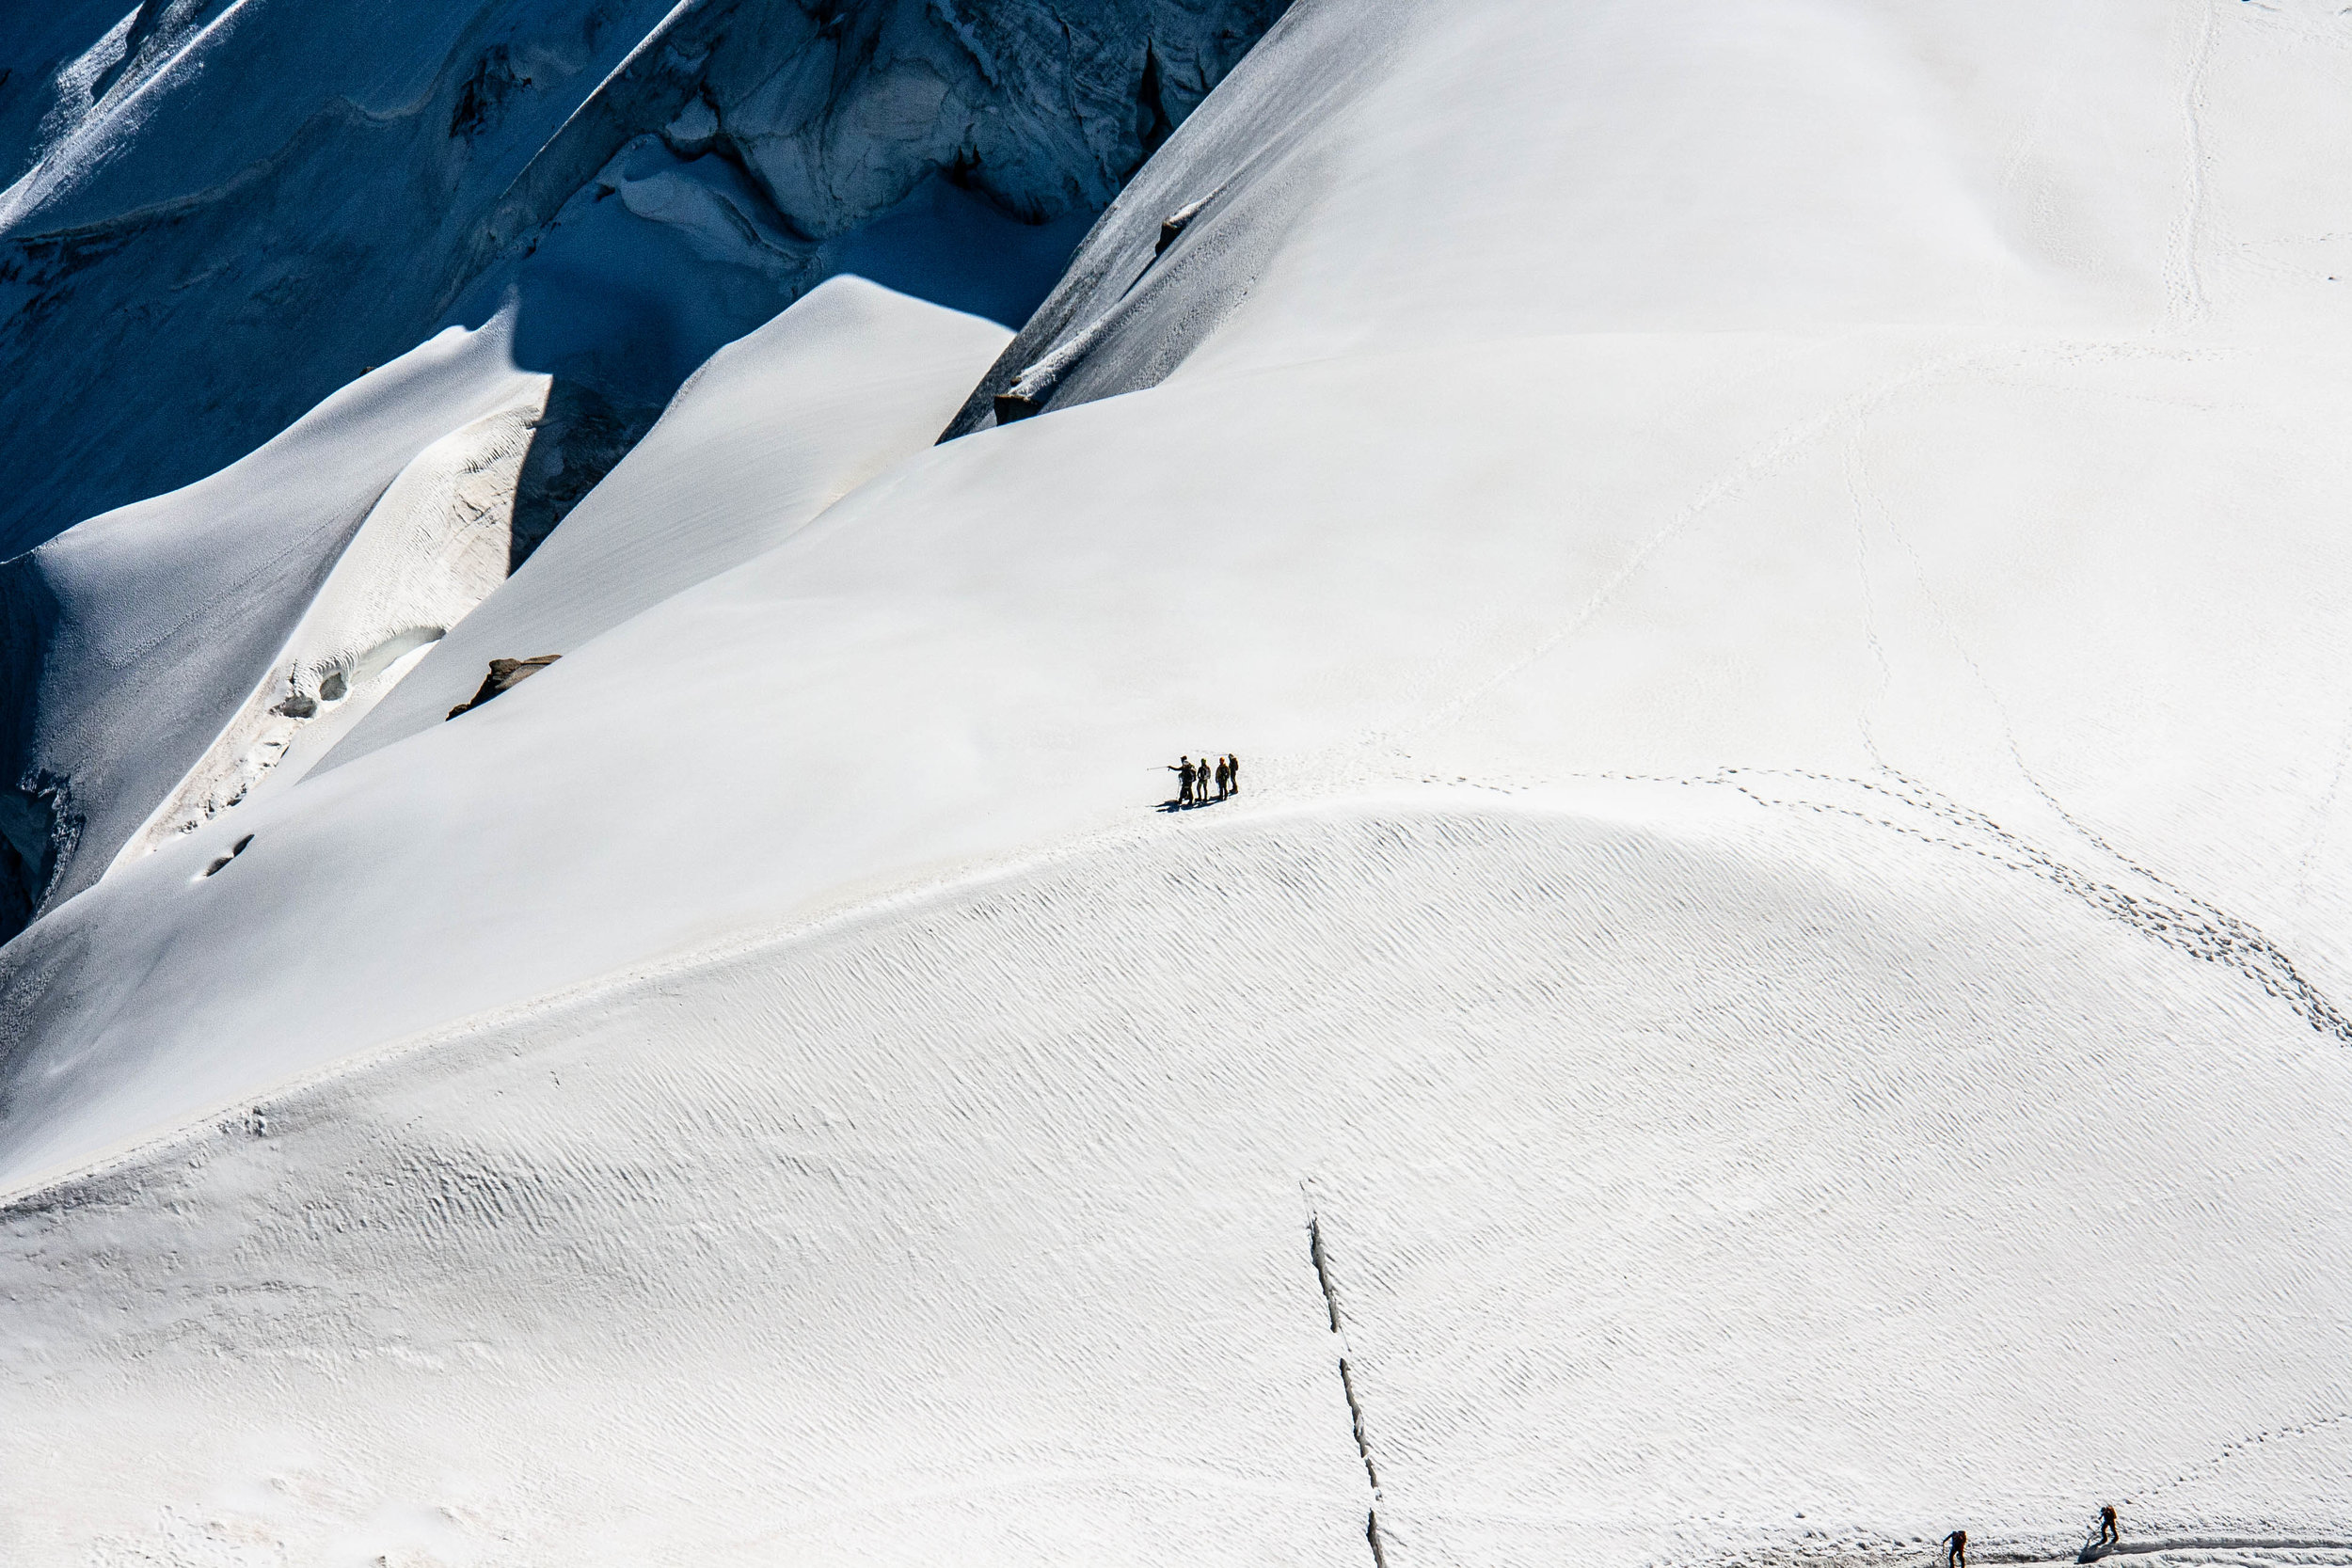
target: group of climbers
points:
(1193, 780)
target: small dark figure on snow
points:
(1233, 773)
(1182, 770)
(1224, 778)
(2108, 1534)
(1956, 1549)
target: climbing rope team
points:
(1193, 780)
(2103, 1535)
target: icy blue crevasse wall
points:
(223, 211)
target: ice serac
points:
(846, 383)
(159, 657)
(224, 211)
(436, 543)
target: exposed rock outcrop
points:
(505, 674)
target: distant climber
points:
(2108, 1534)
(1182, 770)
(1956, 1549)
(1233, 773)
(1224, 778)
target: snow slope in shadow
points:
(296, 590)
(225, 211)
(134, 642)
(229, 211)
(1682, 1189)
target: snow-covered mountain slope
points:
(222, 212)
(2104, 169)
(1683, 1190)
(167, 659)
(851, 381)
(1776, 572)
(2010, 563)
(134, 641)
(609, 247)
(50, 63)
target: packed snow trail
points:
(1692, 1188)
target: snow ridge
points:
(832, 1236)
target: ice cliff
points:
(204, 191)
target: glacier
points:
(610, 194)
(1777, 987)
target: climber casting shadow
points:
(2105, 1537)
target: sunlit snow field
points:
(1776, 988)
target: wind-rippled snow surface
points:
(1676, 1200)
